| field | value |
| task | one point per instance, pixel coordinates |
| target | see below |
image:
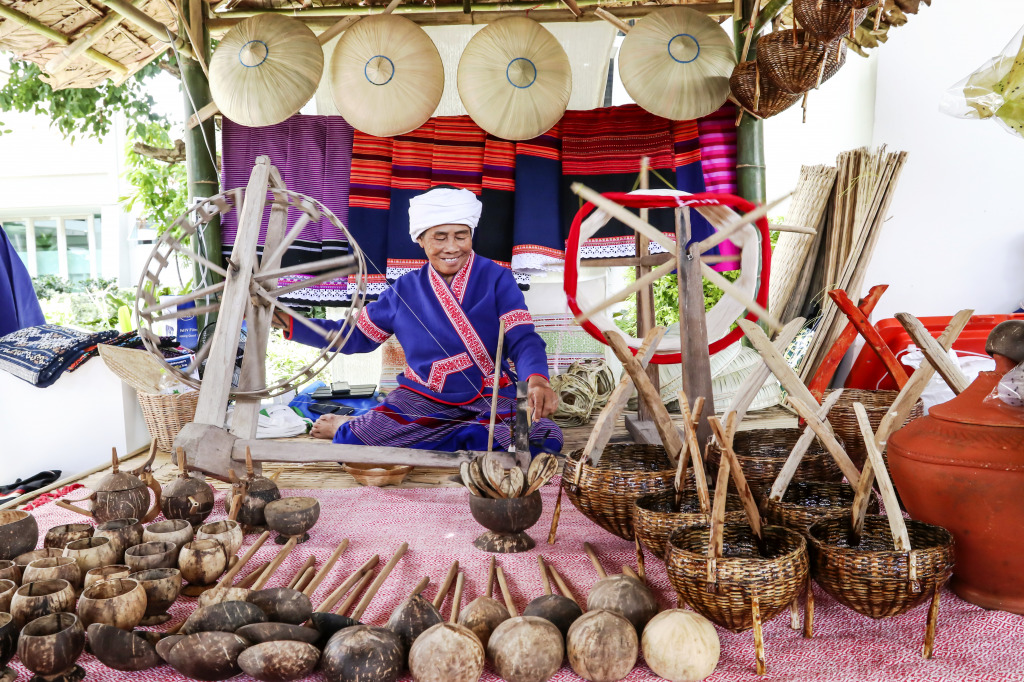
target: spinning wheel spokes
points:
(262, 284)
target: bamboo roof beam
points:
(149, 24)
(86, 40)
(56, 36)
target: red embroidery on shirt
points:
(462, 325)
(440, 370)
(462, 278)
(514, 318)
(372, 331)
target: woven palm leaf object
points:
(757, 95)
(265, 69)
(515, 79)
(386, 75)
(828, 20)
(605, 493)
(795, 62)
(676, 63)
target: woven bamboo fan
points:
(515, 79)
(759, 96)
(795, 62)
(386, 75)
(676, 63)
(828, 20)
(265, 69)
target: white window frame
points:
(62, 240)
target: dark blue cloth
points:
(40, 354)
(304, 399)
(19, 307)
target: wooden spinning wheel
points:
(261, 283)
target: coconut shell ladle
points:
(484, 614)
(561, 610)
(415, 614)
(448, 652)
(622, 594)
(525, 648)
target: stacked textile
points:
(40, 354)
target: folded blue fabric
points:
(40, 354)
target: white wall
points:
(956, 237)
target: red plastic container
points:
(869, 373)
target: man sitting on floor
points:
(446, 316)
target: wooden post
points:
(693, 329)
(200, 155)
(645, 297)
(750, 176)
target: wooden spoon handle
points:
(341, 589)
(247, 581)
(381, 577)
(490, 577)
(354, 594)
(594, 560)
(230, 575)
(331, 561)
(301, 572)
(562, 586)
(544, 575)
(457, 600)
(421, 585)
(268, 573)
(442, 591)
(509, 604)
(305, 578)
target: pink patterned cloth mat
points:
(971, 644)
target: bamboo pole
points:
(149, 24)
(750, 175)
(39, 28)
(82, 44)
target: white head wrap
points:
(443, 206)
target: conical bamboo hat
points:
(515, 79)
(386, 75)
(676, 63)
(265, 69)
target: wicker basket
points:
(872, 578)
(844, 421)
(795, 66)
(762, 452)
(806, 502)
(166, 414)
(656, 515)
(742, 572)
(827, 20)
(605, 492)
(758, 95)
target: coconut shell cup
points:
(92, 553)
(526, 649)
(292, 517)
(602, 646)
(10, 571)
(506, 520)
(50, 645)
(45, 553)
(561, 611)
(124, 533)
(207, 656)
(54, 568)
(120, 602)
(259, 492)
(225, 617)
(282, 604)
(7, 589)
(19, 533)
(102, 573)
(279, 661)
(228, 533)
(120, 649)
(59, 536)
(626, 596)
(177, 531)
(162, 587)
(363, 653)
(411, 618)
(482, 616)
(447, 652)
(151, 555)
(257, 633)
(41, 598)
(187, 497)
(201, 563)
(8, 640)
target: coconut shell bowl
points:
(291, 517)
(120, 602)
(8, 645)
(162, 587)
(50, 646)
(18, 533)
(201, 563)
(506, 520)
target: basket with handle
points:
(828, 20)
(758, 95)
(795, 62)
(165, 414)
(737, 575)
(876, 404)
(881, 566)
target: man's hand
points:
(541, 399)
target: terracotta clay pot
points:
(962, 467)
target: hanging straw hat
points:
(515, 79)
(676, 63)
(265, 69)
(386, 75)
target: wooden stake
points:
(249, 580)
(933, 618)
(936, 354)
(494, 386)
(901, 539)
(305, 578)
(544, 575)
(747, 391)
(381, 577)
(871, 335)
(755, 612)
(230, 575)
(827, 369)
(562, 586)
(310, 561)
(492, 573)
(331, 561)
(796, 456)
(690, 419)
(827, 438)
(641, 568)
(724, 435)
(809, 608)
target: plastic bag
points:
(937, 391)
(1011, 387)
(996, 90)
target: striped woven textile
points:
(314, 156)
(718, 160)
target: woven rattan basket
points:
(872, 578)
(827, 20)
(166, 414)
(844, 421)
(762, 452)
(605, 492)
(796, 66)
(758, 95)
(743, 572)
(656, 515)
(806, 502)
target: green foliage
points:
(666, 301)
(87, 112)
(159, 189)
(87, 304)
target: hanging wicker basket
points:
(165, 414)
(828, 20)
(758, 96)
(807, 502)
(657, 515)
(844, 421)
(605, 493)
(795, 62)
